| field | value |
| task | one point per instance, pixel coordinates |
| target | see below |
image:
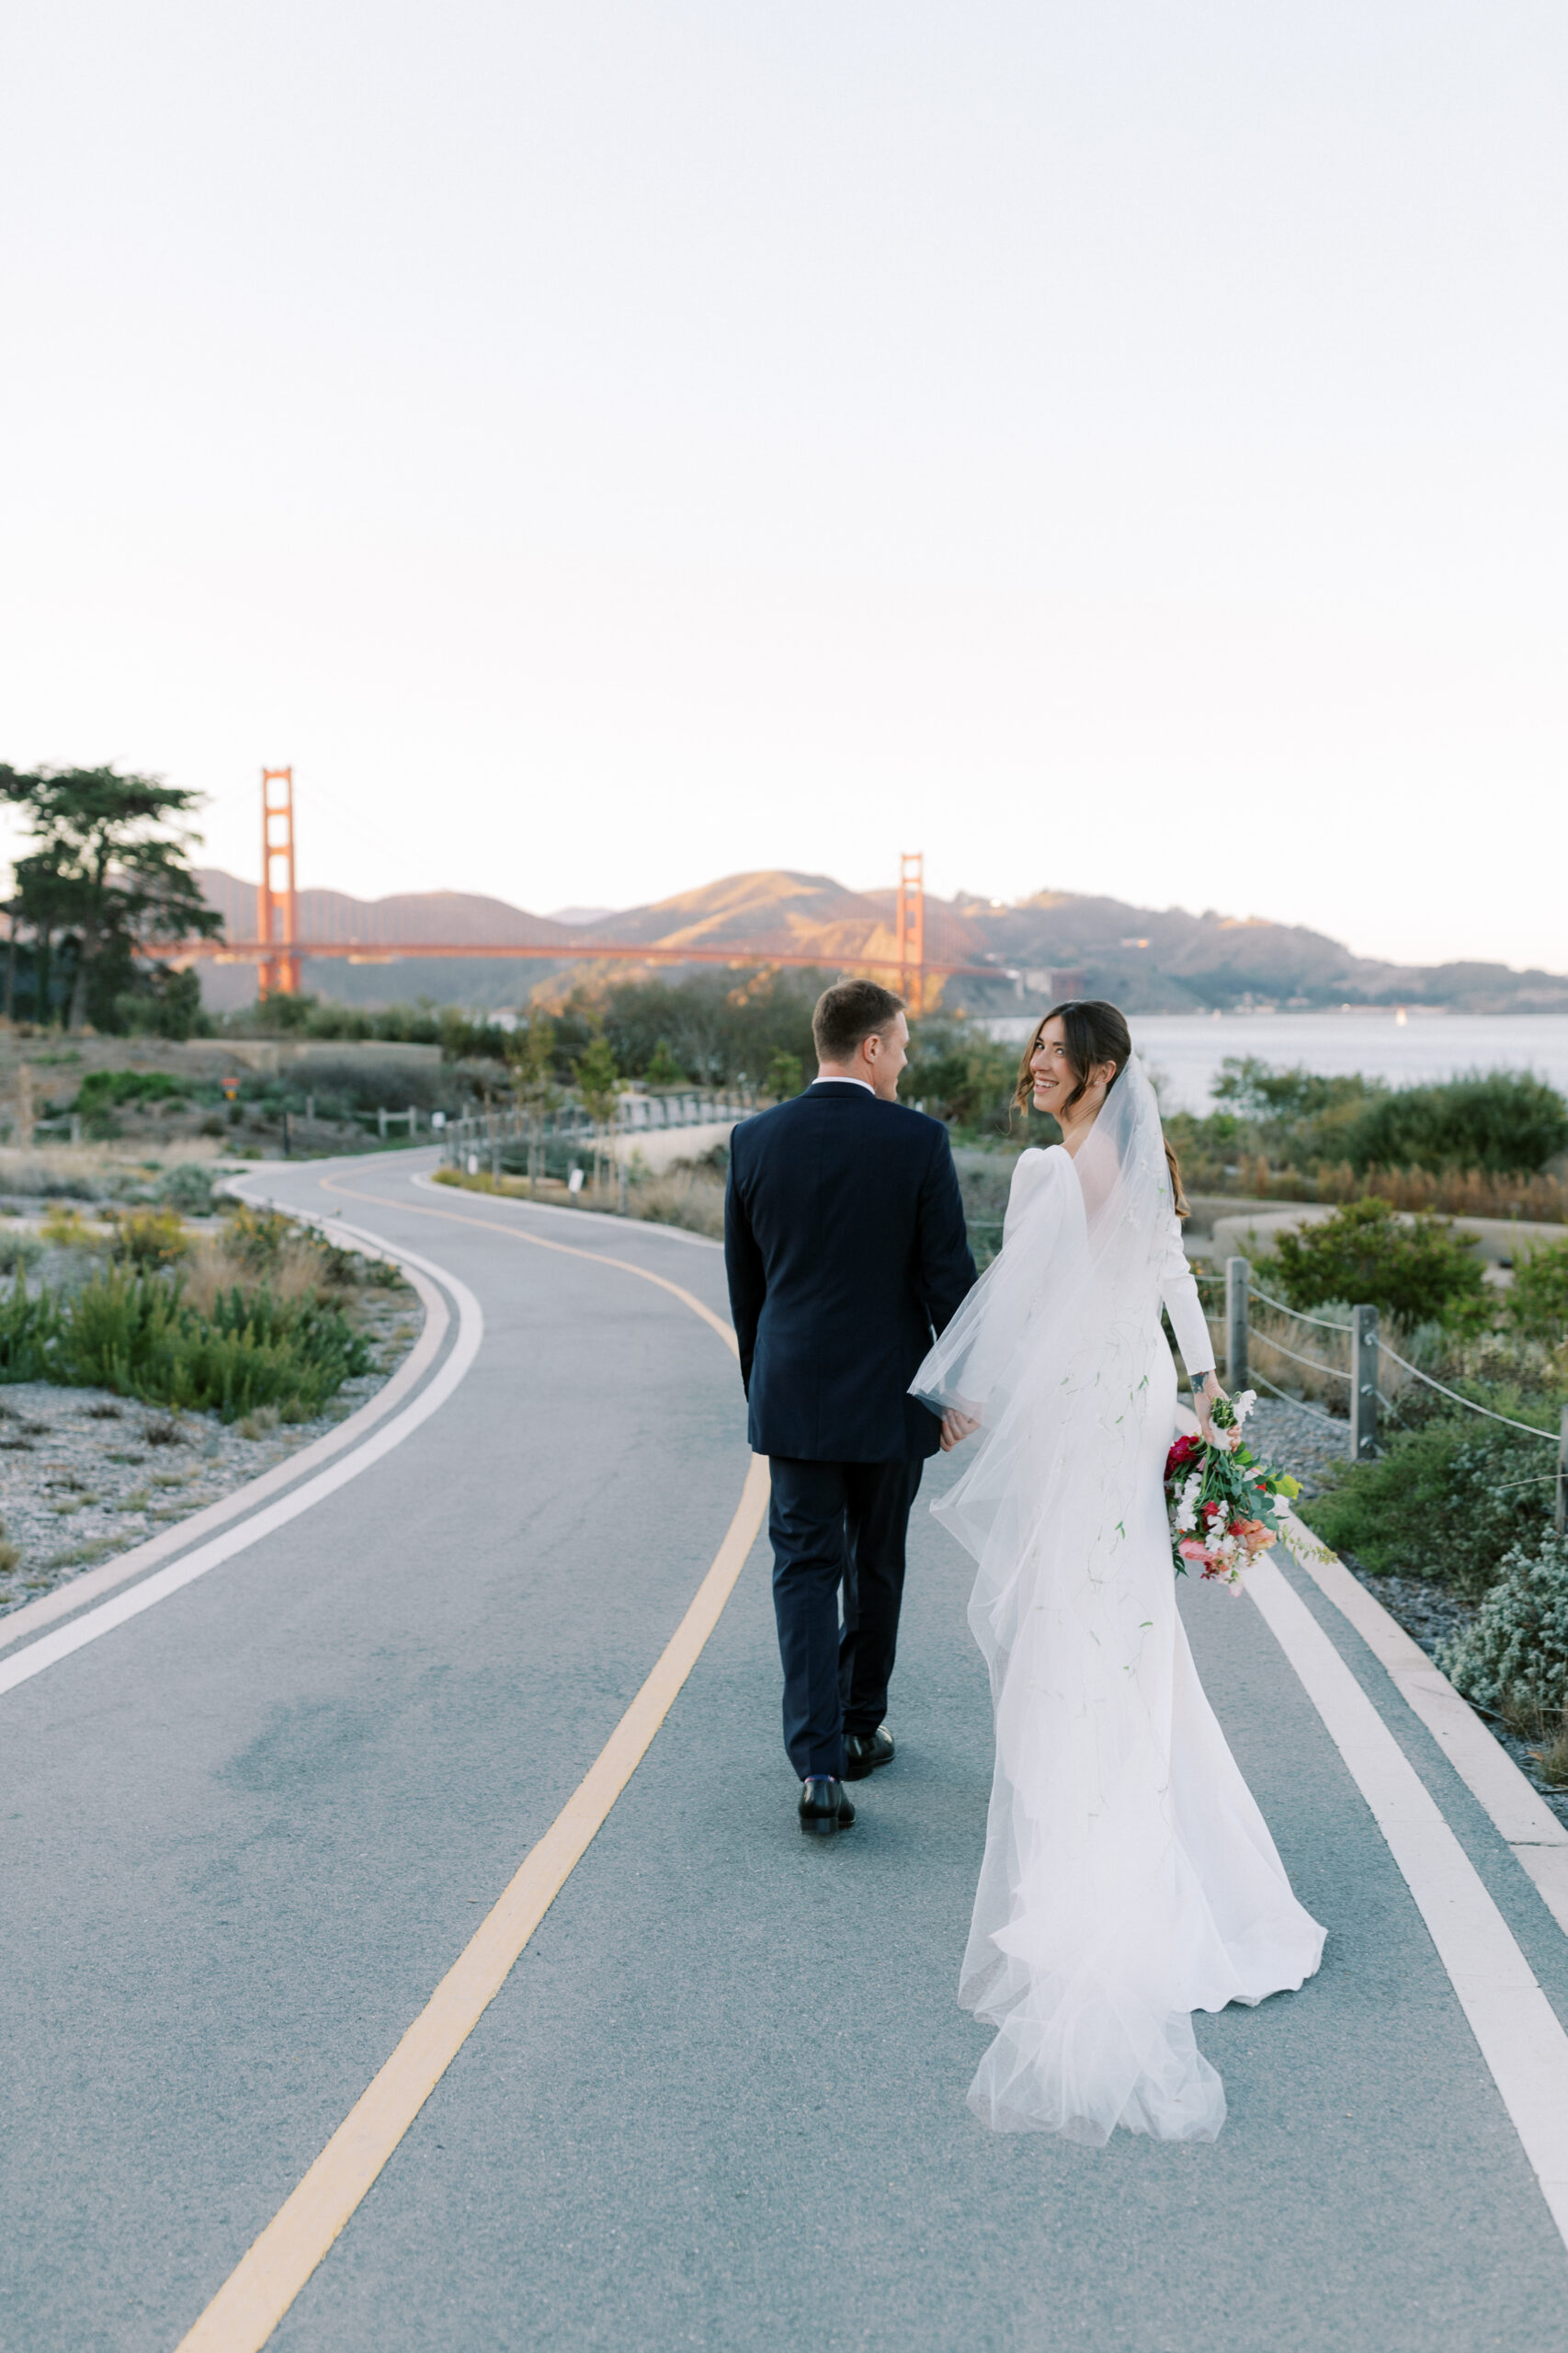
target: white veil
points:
(1050, 1350)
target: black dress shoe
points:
(824, 1808)
(863, 1752)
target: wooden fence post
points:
(1363, 1384)
(1237, 1276)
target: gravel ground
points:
(85, 1474)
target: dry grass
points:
(1526, 1721)
(690, 1197)
(1454, 1192)
(686, 1195)
(218, 1261)
(90, 1171)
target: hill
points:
(1148, 960)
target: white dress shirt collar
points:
(836, 1080)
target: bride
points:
(1128, 1877)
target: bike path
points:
(720, 2100)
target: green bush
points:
(107, 1090)
(188, 1189)
(1503, 1121)
(150, 1238)
(1417, 1269)
(134, 1334)
(1448, 1501)
(19, 1249)
(962, 1075)
(1537, 1297)
(1513, 1657)
(1297, 1117)
(663, 1068)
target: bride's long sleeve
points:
(1185, 1309)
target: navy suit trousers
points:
(837, 1524)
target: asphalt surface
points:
(720, 2101)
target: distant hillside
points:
(1150, 960)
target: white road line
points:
(1521, 2040)
(1538, 1839)
(94, 1623)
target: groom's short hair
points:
(847, 1012)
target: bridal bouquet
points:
(1224, 1504)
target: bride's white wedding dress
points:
(1128, 1877)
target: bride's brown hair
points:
(1094, 1033)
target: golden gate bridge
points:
(278, 948)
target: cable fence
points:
(1366, 1349)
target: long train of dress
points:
(1129, 1878)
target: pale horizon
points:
(1114, 452)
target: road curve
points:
(719, 2100)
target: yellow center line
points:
(256, 2294)
(567, 1250)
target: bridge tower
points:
(911, 929)
(277, 919)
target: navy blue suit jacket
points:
(845, 1247)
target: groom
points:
(845, 1249)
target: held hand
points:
(1204, 1399)
(956, 1427)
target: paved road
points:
(720, 2101)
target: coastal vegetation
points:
(255, 1314)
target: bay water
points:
(1184, 1052)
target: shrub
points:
(1513, 1657)
(134, 1334)
(784, 1074)
(150, 1238)
(18, 1250)
(962, 1075)
(65, 1228)
(256, 1238)
(1417, 1269)
(107, 1090)
(1499, 1119)
(1537, 1298)
(1448, 1501)
(188, 1187)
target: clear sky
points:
(1109, 447)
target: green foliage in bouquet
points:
(1417, 1269)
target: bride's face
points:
(1054, 1078)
